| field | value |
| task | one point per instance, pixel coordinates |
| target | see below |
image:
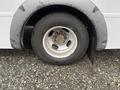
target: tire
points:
(61, 22)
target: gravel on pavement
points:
(22, 70)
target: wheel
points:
(60, 38)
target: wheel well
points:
(35, 17)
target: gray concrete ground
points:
(21, 70)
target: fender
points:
(85, 6)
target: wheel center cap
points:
(60, 39)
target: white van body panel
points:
(111, 12)
(109, 8)
(7, 10)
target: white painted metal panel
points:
(108, 6)
(5, 22)
(7, 10)
(113, 25)
(9, 5)
(110, 9)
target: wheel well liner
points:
(35, 17)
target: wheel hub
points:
(59, 37)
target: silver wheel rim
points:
(60, 41)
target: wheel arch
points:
(27, 9)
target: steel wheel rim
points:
(60, 41)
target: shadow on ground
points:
(21, 70)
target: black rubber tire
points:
(60, 19)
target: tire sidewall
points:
(60, 19)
